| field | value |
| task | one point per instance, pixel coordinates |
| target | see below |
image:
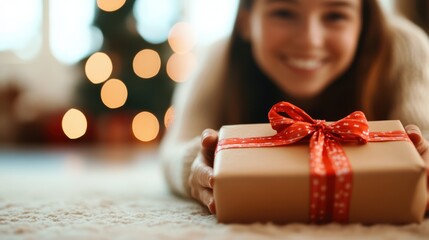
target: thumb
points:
(209, 139)
(416, 137)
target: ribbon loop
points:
(280, 122)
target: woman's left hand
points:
(422, 146)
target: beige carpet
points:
(70, 195)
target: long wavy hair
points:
(249, 93)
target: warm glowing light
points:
(181, 38)
(74, 124)
(98, 67)
(21, 28)
(114, 93)
(146, 63)
(155, 18)
(110, 5)
(72, 40)
(210, 26)
(169, 117)
(145, 126)
(179, 66)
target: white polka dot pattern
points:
(330, 169)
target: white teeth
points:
(305, 64)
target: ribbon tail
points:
(255, 142)
(330, 179)
(340, 196)
(388, 136)
(318, 180)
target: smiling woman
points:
(303, 46)
(329, 57)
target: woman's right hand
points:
(201, 178)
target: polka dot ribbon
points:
(330, 169)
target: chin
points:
(304, 95)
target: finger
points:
(204, 175)
(416, 137)
(427, 203)
(206, 198)
(212, 206)
(209, 140)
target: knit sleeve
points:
(176, 163)
(410, 74)
(197, 107)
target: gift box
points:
(275, 183)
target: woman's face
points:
(303, 45)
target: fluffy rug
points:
(74, 195)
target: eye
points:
(282, 13)
(335, 17)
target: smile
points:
(304, 64)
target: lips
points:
(304, 64)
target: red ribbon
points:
(330, 169)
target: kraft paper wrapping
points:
(271, 184)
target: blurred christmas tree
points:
(121, 42)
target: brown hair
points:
(372, 61)
(249, 93)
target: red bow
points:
(330, 170)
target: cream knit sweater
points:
(197, 108)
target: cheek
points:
(342, 52)
(276, 37)
(265, 35)
(262, 44)
(344, 45)
(267, 44)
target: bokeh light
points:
(19, 25)
(146, 63)
(98, 67)
(71, 40)
(180, 66)
(114, 93)
(110, 5)
(74, 124)
(182, 38)
(155, 18)
(145, 126)
(169, 117)
(212, 20)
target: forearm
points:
(177, 159)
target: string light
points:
(110, 5)
(114, 93)
(145, 126)
(182, 38)
(146, 63)
(180, 66)
(98, 67)
(169, 117)
(74, 124)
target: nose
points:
(309, 33)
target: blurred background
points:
(103, 71)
